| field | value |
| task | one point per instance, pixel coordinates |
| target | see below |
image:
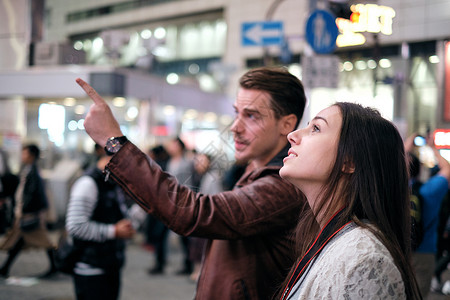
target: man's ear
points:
(288, 124)
(348, 167)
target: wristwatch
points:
(113, 144)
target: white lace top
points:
(353, 265)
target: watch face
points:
(113, 144)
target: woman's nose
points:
(294, 137)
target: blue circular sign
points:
(321, 31)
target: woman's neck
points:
(325, 215)
(324, 210)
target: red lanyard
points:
(321, 240)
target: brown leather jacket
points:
(250, 228)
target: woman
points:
(350, 164)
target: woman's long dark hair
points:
(377, 191)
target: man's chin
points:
(239, 155)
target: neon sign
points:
(442, 138)
(364, 18)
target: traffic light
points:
(340, 9)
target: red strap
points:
(321, 240)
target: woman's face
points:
(313, 152)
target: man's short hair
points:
(286, 90)
(33, 150)
(180, 142)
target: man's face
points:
(174, 149)
(27, 158)
(255, 128)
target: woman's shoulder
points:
(361, 264)
(364, 235)
(358, 242)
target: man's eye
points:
(251, 116)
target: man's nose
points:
(236, 126)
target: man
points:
(96, 221)
(251, 247)
(182, 168)
(8, 186)
(30, 227)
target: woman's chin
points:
(284, 173)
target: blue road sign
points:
(262, 33)
(321, 31)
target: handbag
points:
(30, 223)
(67, 254)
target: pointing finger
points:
(90, 91)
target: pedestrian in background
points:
(350, 164)
(249, 229)
(210, 183)
(181, 167)
(442, 260)
(96, 219)
(30, 225)
(8, 186)
(156, 232)
(432, 192)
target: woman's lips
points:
(291, 154)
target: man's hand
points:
(99, 123)
(124, 229)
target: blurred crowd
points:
(23, 200)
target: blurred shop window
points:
(204, 39)
(170, 43)
(111, 9)
(52, 118)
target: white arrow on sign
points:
(260, 35)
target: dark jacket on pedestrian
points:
(34, 197)
(251, 247)
(110, 254)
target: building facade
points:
(171, 67)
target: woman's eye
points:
(315, 128)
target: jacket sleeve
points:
(267, 204)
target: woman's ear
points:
(348, 167)
(288, 124)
